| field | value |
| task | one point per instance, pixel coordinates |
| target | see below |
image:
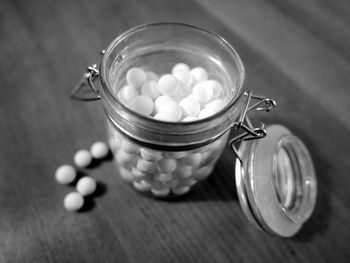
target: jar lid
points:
(276, 182)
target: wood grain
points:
(294, 52)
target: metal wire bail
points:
(80, 92)
(244, 123)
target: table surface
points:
(296, 52)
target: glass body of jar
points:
(162, 158)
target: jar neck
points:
(172, 136)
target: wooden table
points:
(296, 52)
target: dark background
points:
(294, 51)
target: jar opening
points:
(285, 180)
(154, 47)
(145, 46)
(294, 179)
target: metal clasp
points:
(88, 78)
(80, 93)
(244, 123)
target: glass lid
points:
(276, 182)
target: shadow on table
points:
(89, 201)
(318, 223)
(219, 186)
(101, 188)
(96, 163)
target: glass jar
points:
(169, 158)
(275, 177)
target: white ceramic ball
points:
(168, 84)
(136, 77)
(65, 174)
(199, 74)
(73, 201)
(99, 150)
(86, 185)
(142, 104)
(82, 158)
(127, 94)
(190, 106)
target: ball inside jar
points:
(183, 94)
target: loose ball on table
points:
(86, 186)
(99, 150)
(73, 201)
(65, 174)
(82, 158)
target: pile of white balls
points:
(181, 96)
(163, 173)
(66, 174)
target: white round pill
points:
(127, 93)
(215, 105)
(161, 192)
(190, 106)
(180, 190)
(182, 73)
(193, 160)
(203, 172)
(114, 144)
(123, 158)
(152, 76)
(86, 185)
(166, 116)
(168, 84)
(199, 74)
(160, 101)
(175, 155)
(179, 94)
(163, 177)
(184, 76)
(129, 147)
(217, 88)
(187, 182)
(126, 174)
(73, 201)
(183, 170)
(180, 67)
(150, 155)
(166, 165)
(145, 166)
(142, 186)
(65, 174)
(138, 174)
(136, 77)
(155, 184)
(203, 91)
(82, 158)
(206, 112)
(172, 183)
(142, 105)
(189, 118)
(150, 89)
(99, 150)
(171, 107)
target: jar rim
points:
(108, 90)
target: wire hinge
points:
(249, 132)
